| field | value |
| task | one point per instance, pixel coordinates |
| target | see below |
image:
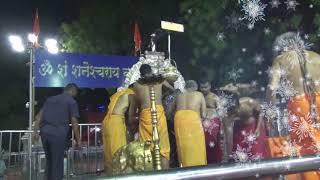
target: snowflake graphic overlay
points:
(274, 3)
(291, 4)
(285, 89)
(235, 74)
(224, 103)
(269, 111)
(258, 59)
(249, 138)
(300, 126)
(220, 36)
(210, 126)
(243, 155)
(253, 11)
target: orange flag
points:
(36, 26)
(136, 39)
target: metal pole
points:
(31, 107)
(169, 45)
(232, 171)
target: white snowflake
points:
(249, 138)
(258, 59)
(235, 74)
(254, 83)
(241, 155)
(220, 36)
(282, 71)
(311, 6)
(253, 11)
(274, 3)
(210, 125)
(269, 111)
(244, 49)
(250, 26)
(300, 126)
(267, 31)
(306, 36)
(269, 71)
(211, 144)
(244, 155)
(285, 90)
(291, 4)
(233, 21)
(223, 104)
(294, 43)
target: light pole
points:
(18, 46)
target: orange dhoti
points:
(302, 130)
(190, 139)
(145, 129)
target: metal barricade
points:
(87, 159)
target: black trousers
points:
(54, 150)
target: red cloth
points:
(136, 38)
(244, 139)
(213, 140)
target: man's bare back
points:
(288, 63)
(143, 94)
(193, 100)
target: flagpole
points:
(31, 104)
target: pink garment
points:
(213, 140)
(245, 142)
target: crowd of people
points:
(199, 126)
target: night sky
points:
(16, 17)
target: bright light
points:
(16, 43)
(52, 46)
(32, 38)
(18, 47)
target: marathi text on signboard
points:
(85, 70)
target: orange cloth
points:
(303, 136)
(190, 139)
(145, 129)
(303, 133)
(114, 130)
(278, 148)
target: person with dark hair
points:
(294, 77)
(145, 70)
(114, 125)
(142, 91)
(53, 120)
(190, 110)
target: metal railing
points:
(88, 158)
(231, 170)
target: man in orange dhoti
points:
(142, 91)
(294, 74)
(113, 125)
(190, 139)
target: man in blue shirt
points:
(53, 120)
